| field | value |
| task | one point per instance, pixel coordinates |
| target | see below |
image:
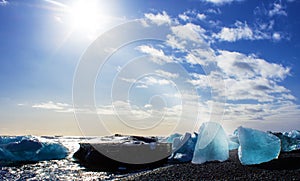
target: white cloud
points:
(276, 36)
(184, 17)
(159, 18)
(158, 56)
(240, 66)
(150, 81)
(57, 107)
(129, 80)
(277, 10)
(214, 11)
(188, 37)
(3, 3)
(168, 75)
(200, 81)
(240, 31)
(221, 2)
(190, 32)
(200, 56)
(148, 106)
(248, 77)
(201, 16)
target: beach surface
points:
(286, 167)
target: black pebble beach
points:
(286, 167)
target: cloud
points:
(57, 107)
(187, 37)
(184, 17)
(158, 55)
(214, 11)
(277, 10)
(56, 3)
(4, 2)
(168, 75)
(201, 16)
(248, 77)
(191, 15)
(276, 36)
(238, 32)
(150, 81)
(240, 66)
(221, 2)
(190, 32)
(200, 81)
(159, 18)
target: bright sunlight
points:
(84, 15)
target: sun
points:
(85, 16)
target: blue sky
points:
(230, 61)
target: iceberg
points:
(183, 147)
(233, 142)
(288, 143)
(293, 134)
(212, 144)
(171, 138)
(257, 146)
(29, 148)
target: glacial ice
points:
(293, 134)
(257, 146)
(171, 138)
(183, 147)
(212, 144)
(233, 142)
(29, 148)
(288, 143)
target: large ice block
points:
(183, 147)
(212, 144)
(257, 146)
(29, 148)
(288, 143)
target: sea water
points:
(64, 169)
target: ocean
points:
(64, 169)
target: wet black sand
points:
(286, 167)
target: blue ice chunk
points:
(28, 148)
(288, 143)
(183, 147)
(294, 134)
(212, 144)
(257, 146)
(52, 151)
(235, 132)
(171, 138)
(233, 142)
(25, 145)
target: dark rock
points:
(112, 156)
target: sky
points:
(148, 67)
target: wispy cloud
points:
(221, 2)
(201, 16)
(166, 74)
(277, 9)
(54, 106)
(238, 32)
(159, 18)
(3, 3)
(158, 55)
(56, 3)
(150, 81)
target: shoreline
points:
(286, 167)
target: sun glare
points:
(85, 16)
